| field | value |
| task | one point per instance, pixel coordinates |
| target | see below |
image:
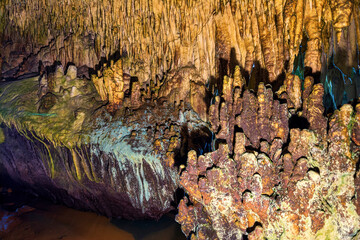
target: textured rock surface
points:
(280, 181)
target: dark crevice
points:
(357, 168)
(179, 194)
(278, 82)
(251, 229)
(199, 139)
(296, 121)
(201, 176)
(252, 148)
(257, 75)
(237, 129)
(315, 169)
(113, 57)
(212, 167)
(233, 61)
(218, 142)
(242, 196)
(190, 235)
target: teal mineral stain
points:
(40, 114)
(299, 66)
(329, 90)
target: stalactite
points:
(267, 32)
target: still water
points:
(21, 218)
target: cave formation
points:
(250, 106)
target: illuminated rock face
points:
(122, 168)
(116, 171)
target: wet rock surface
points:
(89, 178)
(25, 216)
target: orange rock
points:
(355, 124)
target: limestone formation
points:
(355, 136)
(259, 117)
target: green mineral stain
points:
(351, 123)
(41, 114)
(19, 103)
(2, 136)
(329, 231)
(62, 125)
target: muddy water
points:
(38, 219)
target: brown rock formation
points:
(110, 85)
(259, 117)
(305, 190)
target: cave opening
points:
(199, 139)
(296, 121)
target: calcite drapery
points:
(112, 85)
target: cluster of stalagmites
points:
(273, 179)
(64, 94)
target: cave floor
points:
(26, 217)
